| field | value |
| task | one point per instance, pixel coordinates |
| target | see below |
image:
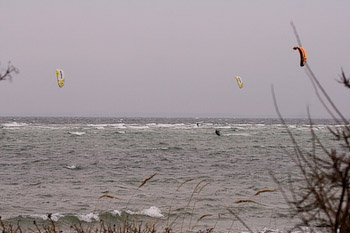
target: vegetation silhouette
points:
(8, 72)
(323, 199)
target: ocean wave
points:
(153, 212)
(115, 216)
(48, 127)
(238, 134)
(77, 133)
(119, 126)
(178, 125)
(90, 217)
(103, 126)
(72, 167)
(97, 125)
(116, 212)
(223, 127)
(138, 127)
(160, 148)
(55, 217)
(14, 124)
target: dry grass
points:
(265, 191)
(182, 222)
(126, 225)
(146, 180)
(109, 196)
(245, 201)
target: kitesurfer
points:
(217, 132)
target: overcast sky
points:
(171, 58)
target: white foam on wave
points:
(71, 166)
(224, 127)
(314, 127)
(116, 212)
(177, 125)
(103, 126)
(238, 134)
(119, 126)
(97, 125)
(77, 133)
(88, 217)
(242, 125)
(48, 127)
(260, 125)
(14, 124)
(268, 230)
(100, 127)
(168, 125)
(152, 211)
(182, 126)
(164, 125)
(138, 127)
(160, 148)
(55, 217)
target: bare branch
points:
(9, 71)
(323, 198)
(344, 80)
(296, 34)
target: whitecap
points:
(116, 212)
(238, 134)
(71, 166)
(181, 126)
(47, 127)
(88, 217)
(243, 125)
(55, 217)
(14, 124)
(165, 125)
(42, 216)
(160, 148)
(260, 125)
(152, 211)
(138, 127)
(224, 127)
(268, 230)
(97, 125)
(77, 133)
(119, 126)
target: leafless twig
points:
(344, 80)
(8, 72)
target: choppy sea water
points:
(63, 166)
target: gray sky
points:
(171, 58)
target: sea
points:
(171, 172)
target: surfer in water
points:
(217, 132)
